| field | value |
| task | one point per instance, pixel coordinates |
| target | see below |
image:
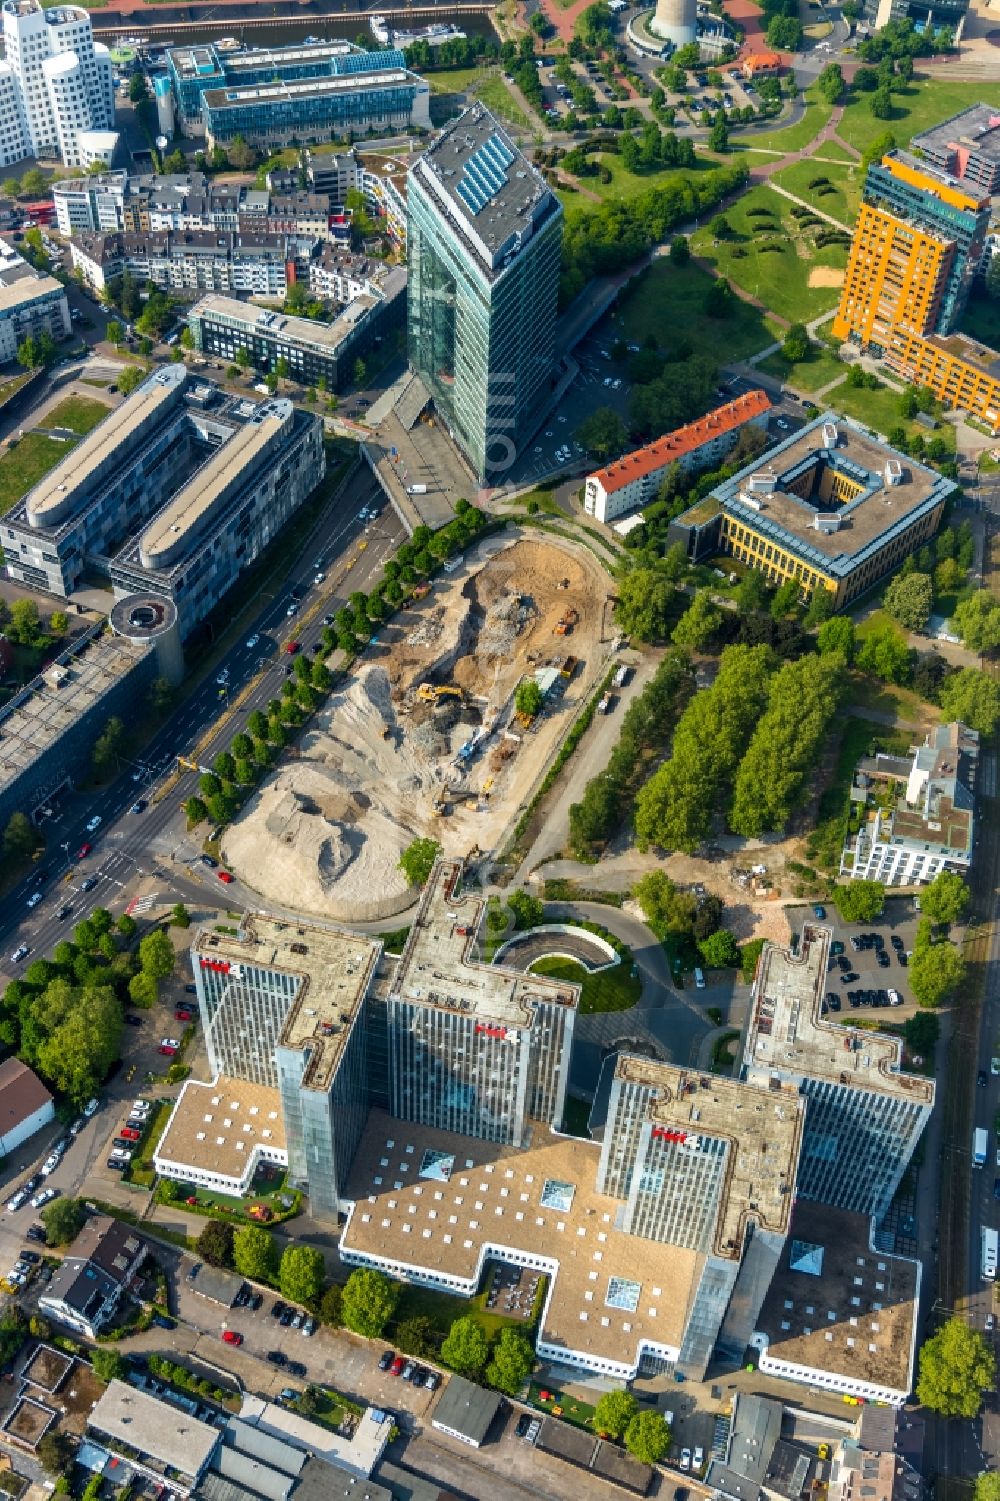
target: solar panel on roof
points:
(484, 173)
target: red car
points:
(225, 878)
(181, 1015)
(230, 1337)
(129, 1133)
(292, 647)
(168, 1052)
(396, 1366)
(84, 851)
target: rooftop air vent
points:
(830, 435)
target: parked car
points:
(685, 1459)
(277, 1357)
(91, 1107)
(34, 899)
(277, 1308)
(37, 1234)
(386, 1359)
(139, 806)
(132, 1019)
(433, 1381)
(295, 1368)
(698, 1458)
(231, 1337)
(169, 1044)
(45, 1197)
(207, 860)
(84, 851)
(181, 1014)
(225, 877)
(394, 1369)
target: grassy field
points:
(808, 375)
(791, 137)
(668, 304)
(24, 465)
(880, 410)
(610, 990)
(497, 97)
(837, 151)
(570, 1410)
(79, 413)
(626, 184)
(925, 101)
(846, 182)
(781, 277)
(455, 80)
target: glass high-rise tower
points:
(483, 247)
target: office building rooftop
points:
(439, 965)
(175, 529)
(762, 1126)
(830, 492)
(485, 185)
(335, 969)
(215, 1127)
(787, 1034)
(66, 487)
(838, 1306)
(295, 89)
(35, 718)
(434, 1200)
(974, 129)
(303, 332)
(154, 1429)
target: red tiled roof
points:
(754, 61)
(682, 441)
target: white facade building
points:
(31, 303)
(93, 203)
(64, 79)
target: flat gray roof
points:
(154, 1428)
(974, 129)
(227, 97)
(466, 1408)
(302, 332)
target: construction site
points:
(430, 736)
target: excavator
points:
(431, 692)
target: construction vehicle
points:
(566, 622)
(386, 732)
(430, 692)
(420, 591)
(569, 666)
(189, 765)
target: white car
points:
(141, 1107)
(699, 1457)
(293, 609)
(223, 677)
(50, 1164)
(95, 823)
(15, 1278)
(685, 1459)
(995, 1067)
(45, 1197)
(989, 1323)
(34, 898)
(252, 641)
(319, 577)
(21, 952)
(169, 1042)
(895, 999)
(91, 1107)
(17, 1200)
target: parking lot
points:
(857, 971)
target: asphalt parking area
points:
(896, 928)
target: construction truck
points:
(566, 622)
(431, 692)
(569, 666)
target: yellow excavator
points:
(430, 692)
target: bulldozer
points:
(566, 622)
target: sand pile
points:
(326, 832)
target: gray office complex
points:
(483, 252)
(222, 326)
(865, 1116)
(965, 146)
(48, 729)
(176, 492)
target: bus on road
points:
(989, 1254)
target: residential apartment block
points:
(90, 1283)
(31, 303)
(918, 244)
(928, 823)
(634, 479)
(187, 261)
(304, 93)
(177, 490)
(57, 86)
(222, 326)
(483, 245)
(90, 203)
(865, 1115)
(831, 507)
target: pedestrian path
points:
(818, 212)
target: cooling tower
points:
(676, 21)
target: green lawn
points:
(807, 375)
(497, 97)
(609, 990)
(780, 277)
(443, 1308)
(578, 1413)
(880, 410)
(792, 137)
(923, 103)
(454, 80)
(79, 413)
(667, 303)
(846, 182)
(625, 184)
(24, 465)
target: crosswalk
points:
(141, 904)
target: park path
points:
(816, 212)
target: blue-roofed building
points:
(483, 243)
(831, 506)
(269, 95)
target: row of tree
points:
(676, 806)
(606, 804)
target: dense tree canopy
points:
(677, 804)
(699, 622)
(936, 969)
(803, 698)
(511, 1362)
(301, 1274)
(417, 860)
(613, 1413)
(972, 698)
(956, 1366)
(946, 898)
(860, 901)
(645, 604)
(909, 599)
(254, 1253)
(977, 619)
(369, 1302)
(465, 1347)
(647, 1437)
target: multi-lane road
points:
(350, 551)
